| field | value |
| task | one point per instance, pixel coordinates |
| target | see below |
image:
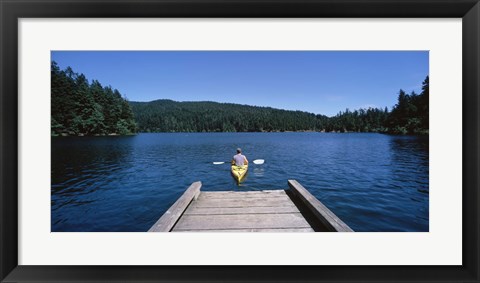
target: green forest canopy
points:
(408, 116)
(80, 108)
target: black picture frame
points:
(11, 11)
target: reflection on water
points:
(259, 172)
(373, 182)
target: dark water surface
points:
(373, 182)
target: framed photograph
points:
(239, 124)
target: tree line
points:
(82, 108)
(408, 116)
(171, 116)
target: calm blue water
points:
(373, 182)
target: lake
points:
(373, 182)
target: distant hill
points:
(81, 108)
(171, 116)
(408, 116)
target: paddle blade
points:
(258, 161)
(216, 163)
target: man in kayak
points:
(239, 159)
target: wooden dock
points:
(292, 210)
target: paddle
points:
(256, 161)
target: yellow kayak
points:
(239, 172)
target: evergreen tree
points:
(80, 108)
(423, 104)
(410, 114)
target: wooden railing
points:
(169, 218)
(319, 210)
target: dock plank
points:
(276, 230)
(246, 221)
(193, 210)
(293, 210)
(243, 202)
(249, 194)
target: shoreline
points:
(320, 132)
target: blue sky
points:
(321, 82)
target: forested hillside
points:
(171, 116)
(83, 108)
(408, 116)
(80, 108)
